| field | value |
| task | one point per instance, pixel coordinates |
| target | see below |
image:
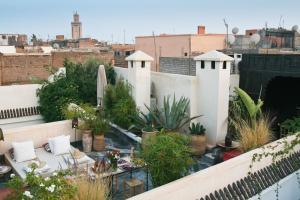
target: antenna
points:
(280, 19)
(226, 25)
(124, 32)
(154, 40)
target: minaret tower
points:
(76, 27)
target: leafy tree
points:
(78, 86)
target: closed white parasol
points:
(101, 84)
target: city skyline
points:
(109, 20)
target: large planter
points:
(99, 143)
(147, 134)
(87, 141)
(198, 144)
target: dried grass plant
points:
(88, 189)
(255, 134)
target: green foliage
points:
(144, 122)
(100, 126)
(197, 129)
(291, 126)
(121, 112)
(78, 86)
(119, 104)
(56, 187)
(243, 108)
(54, 96)
(254, 110)
(110, 74)
(174, 115)
(168, 157)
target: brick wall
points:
(18, 68)
(79, 57)
(185, 66)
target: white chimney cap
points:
(214, 56)
(139, 56)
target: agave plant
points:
(143, 121)
(174, 115)
(197, 129)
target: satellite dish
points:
(255, 38)
(231, 39)
(295, 28)
(235, 30)
(55, 46)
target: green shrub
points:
(290, 126)
(119, 104)
(78, 86)
(168, 157)
(54, 96)
(37, 187)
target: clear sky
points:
(107, 20)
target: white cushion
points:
(23, 151)
(61, 145)
(50, 141)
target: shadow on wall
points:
(282, 98)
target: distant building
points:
(121, 51)
(76, 27)
(7, 49)
(271, 40)
(13, 39)
(86, 42)
(60, 37)
(179, 46)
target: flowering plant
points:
(113, 157)
(36, 187)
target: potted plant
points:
(198, 139)
(144, 123)
(86, 114)
(99, 127)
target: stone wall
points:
(184, 66)
(18, 68)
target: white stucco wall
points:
(7, 49)
(173, 84)
(121, 72)
(234, 82)
(215, 177)
(169, 84)
(18, 96)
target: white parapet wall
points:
(39, 134)
(181, 85)
(18, 96)
(166, 84)
(213, 178)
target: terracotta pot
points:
(99, 143)
(87, 141)
(198, 144)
